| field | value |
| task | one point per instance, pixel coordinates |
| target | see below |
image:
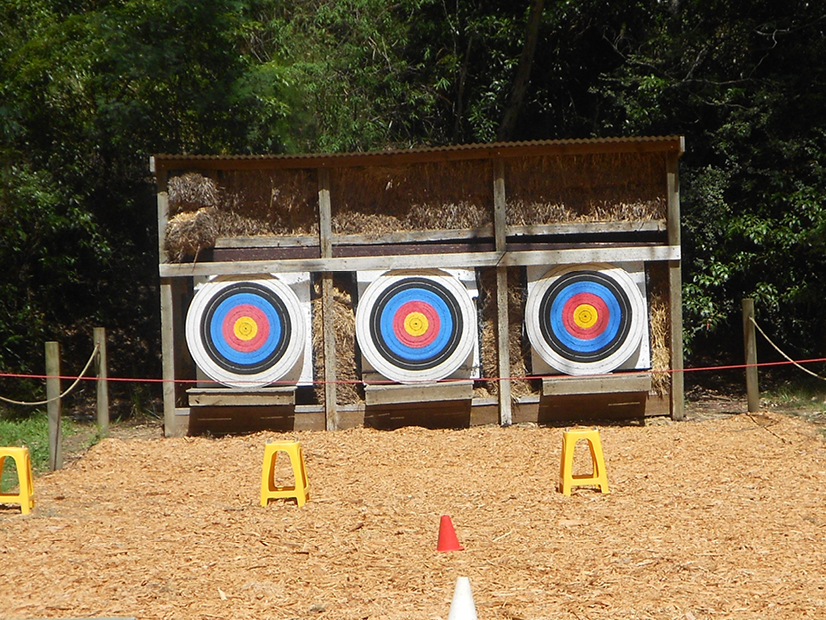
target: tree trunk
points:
(523, 73)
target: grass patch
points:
(32, 432)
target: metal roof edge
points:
(672, 143)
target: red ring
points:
(585, 333)
(260, 319)
(433, 324)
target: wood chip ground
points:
(718, 518)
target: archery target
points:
(415, 326)
(246, 333)
(586, 319)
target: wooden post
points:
(325, 232)
(500, 223)
(675, 283)
(750, 346)
(102, 383)
(53, 407)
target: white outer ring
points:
(197, 348)
(403, 375)
(639, 317)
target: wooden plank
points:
(325, 217)
(220, 397)
(412, 236)
(591, 255)
(325, 239)
(328, 322)
(500, 217)
(444, 261)
(174, 426)
(603, 384)
(434, 236)
(592, 407)
(503, 346)
(587, 228)
(163, 210)
(675, 292)
(426, 392)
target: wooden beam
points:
(430, 236)
(675, 291)
(220, 397)
(500, 225)
(174, 425)
(467, 260)
(325, 239)
(425, 392)
(503, 346)
(603, 384)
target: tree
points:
(746, 83)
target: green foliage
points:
(744, 82)
(32, 432)
(88, 90)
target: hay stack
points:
(427, 196)
(518, 351)
(660, 325)
(188, 233)
(192, 191)
(344, 324)
(608, 187)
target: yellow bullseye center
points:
(245, 328)
(415, 323)
(585, 316)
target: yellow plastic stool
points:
(599, 476)
(301, 490)
(25, 494)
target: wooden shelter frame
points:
(176, 278)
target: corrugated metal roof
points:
(458, 151)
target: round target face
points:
(585, 319)
(415, 327)
(245, 333)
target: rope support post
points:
(750, 346)
(102, 372)
(53, 404)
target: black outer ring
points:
(386, 296)
(281, 310)
(545, 316)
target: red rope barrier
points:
(359, 382)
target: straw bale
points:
(188, 233)
(519, 351)
(192, 191)
(344, 325)
(285, 199)
(600, 187)
(427, 196)
(660, 328)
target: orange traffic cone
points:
(447, 536)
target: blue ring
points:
(388, 334)
(224, 348)
(275, 313)
(583, 345)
